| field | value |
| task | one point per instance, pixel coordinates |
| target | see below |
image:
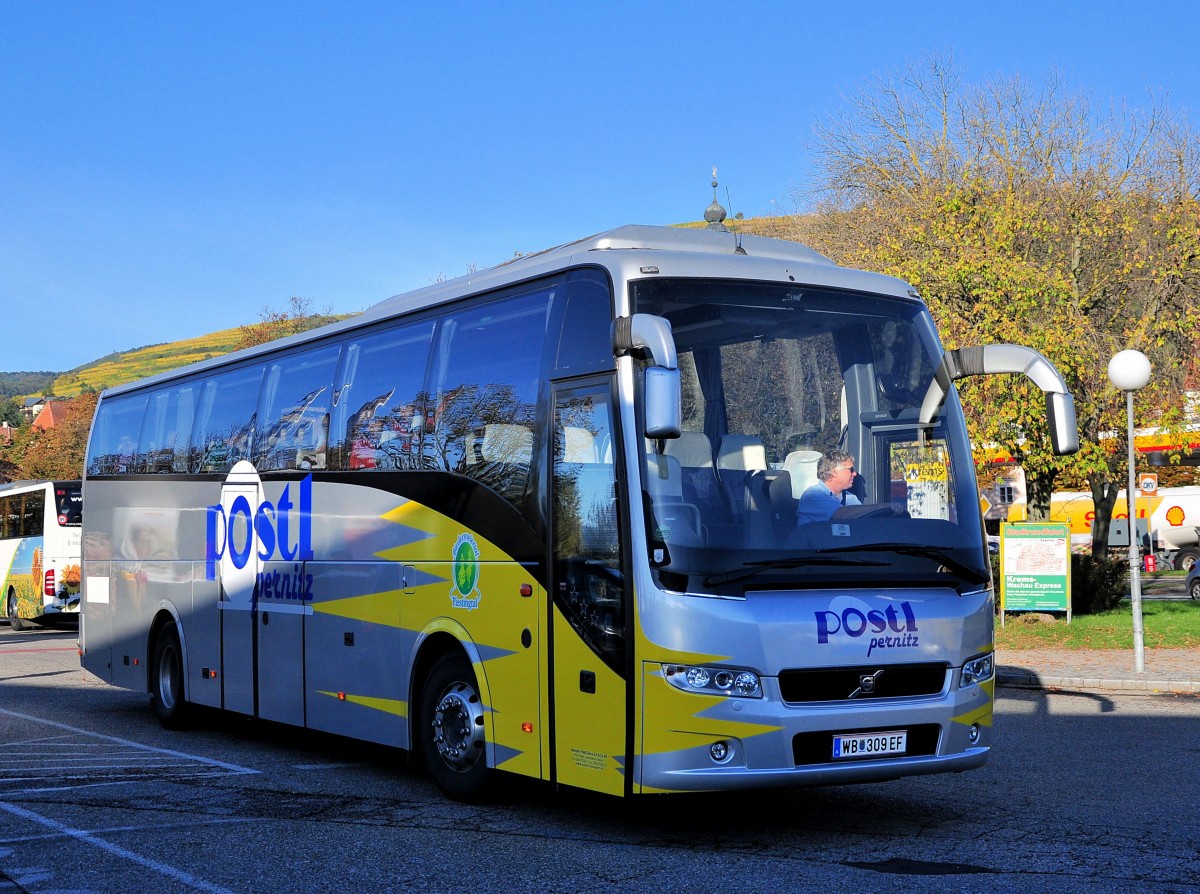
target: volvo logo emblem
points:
(867, 684)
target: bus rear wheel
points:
(10, 609)
(450, 731)
(166, 679)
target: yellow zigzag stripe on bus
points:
(983, 714)
(433, 552)
(374, 608)
(441, 533)
(390, 705)
(681, 718)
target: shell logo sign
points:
(1174, 516)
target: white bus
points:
(39, 551)
(542, 520)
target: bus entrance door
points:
(233, 539)
(282, 601)
(588, 595)
(263, 602)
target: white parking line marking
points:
(87, 838)
(141, 749)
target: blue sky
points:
(168, 169)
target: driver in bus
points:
(835, 474)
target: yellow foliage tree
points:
(1022, 214)
(58, 452)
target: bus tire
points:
(451, 734)
(1186, 558)
(166, 679)
(10, 608)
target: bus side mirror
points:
(990, 360)
(661, 399)
(663, 403)
(1060, 412)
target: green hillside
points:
(19, 384)
(126, 366)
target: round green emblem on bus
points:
(466, 573)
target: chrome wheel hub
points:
(458, 727)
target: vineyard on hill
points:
(128, 366)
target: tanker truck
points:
(1168, 523)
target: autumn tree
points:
(57, 452)
(297, 317)
(1023, 213)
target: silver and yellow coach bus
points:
(542, 519)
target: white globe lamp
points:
(1130, 371)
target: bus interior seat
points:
(679, 518)
(507, 443)
(664, 478)
(694, 452)
(783, 502)
(740, 460)
(692, 449)
(801, 465)
(579, 445)
(741, 452)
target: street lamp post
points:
(1129, 371)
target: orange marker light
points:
(341, 696)
(526, 727)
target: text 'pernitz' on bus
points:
(40, 552)
(543, 520)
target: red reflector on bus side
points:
(526, 590)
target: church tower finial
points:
(714, 213)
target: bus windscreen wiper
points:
(945, 556)
(750, 569)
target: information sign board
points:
(1035, 567)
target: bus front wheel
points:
(166, 679)
(10, 608)
(450, 733)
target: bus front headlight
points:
(714, 680)
(978, 670)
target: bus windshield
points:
(774, 377)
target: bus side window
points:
(293, 414)
(379, 412)
(590, 588)
(489, 359)
(33, 513)
(113, 444)
(162, 446)
(225, 421)
(585, 341)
